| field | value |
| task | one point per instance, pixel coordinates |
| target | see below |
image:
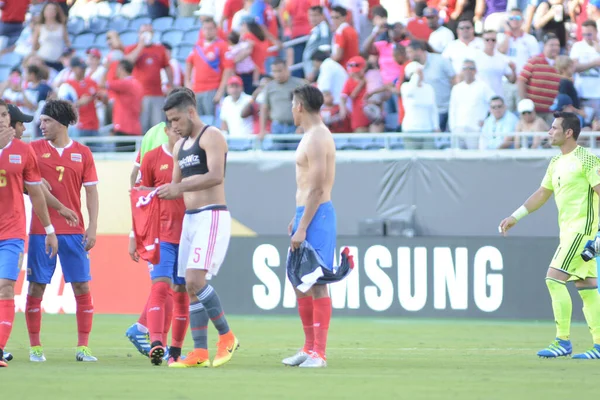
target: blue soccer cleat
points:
(7, 356)
(592, 354)
(140, 340)
(558, 348)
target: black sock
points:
(175, 352)
(156, 343)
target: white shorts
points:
(204, 240)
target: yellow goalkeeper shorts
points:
(567, 257)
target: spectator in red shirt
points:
(87, 91)
(345, 40)
(11, 24)
(297, 21)
(355, 89)
(229, 10)
(253, 35)
(148, 60)
(127, 93)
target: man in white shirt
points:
(231, 110)
(492, 66)
(499, 123)
(586, 54)
(469, 105)
(440, 35)
(332, 76)
(465, 47)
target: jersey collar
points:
(66, 147)
(166, 150)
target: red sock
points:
(7, 317)
(305, 309)
(322, 316)
(181, 312)
(168, 316)
(33, 317)
(156, 310)
(85, 316)
(142, 320)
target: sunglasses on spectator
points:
(490, 39)
(469, 68)
(498, 107)
(465, 27)
(515, 18)
(353, 65)
(526, 113)
(587, 35)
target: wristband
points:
(131, 235)
(49, 229)
(520, 213)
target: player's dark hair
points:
(185, 90)
(590, 24)
(318, 9)
(127, 66)
(60, 110)
(340, 10)
(178, 100)
(310, 97)
(569, 121)
(379, 11)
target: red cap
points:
(94, 52)
(356, 64)
(235, 80)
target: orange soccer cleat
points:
(197, 358)
(226, 346)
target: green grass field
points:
(368, 358)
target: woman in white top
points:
(420, 108)
(50, 37)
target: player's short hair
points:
(127, 66)
(340, 10)
(569, 121)
(183, 89)
(60, 110)
(179, 100)
(310, 97)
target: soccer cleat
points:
(167, 354)
(8, 356)
(314, 361)
(156, 355)
(36, 354)
(197, 358)
(226, 346)
(140, 340)
(558, 348)
(85, 354)
(296, 359)
(592, 354)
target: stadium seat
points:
(100, 40)
(139, 21)
(183, 52)
(76, 25)
(162, 24)
(98, 24)
(172, 37)
(129, 37)
(10, 60)
(119, 23)
(85, 39)
(237, 144)
(4, 72)
(157, 37)
(186, 23)
(340, 144)
(190, 37)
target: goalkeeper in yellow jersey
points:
(574, 178)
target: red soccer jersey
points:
(18, 166)
(145, 212)
(157, 170)
(259, 51)
(358, 119)
(88, 118)
(128, 94)
(148, 66)
(66, 173)
(209, 62)
(14, 10)
(346, 39)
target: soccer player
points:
(574, 178)
(315, 220)
(157, 170)
(67, 166)
(18, 169)
(199, 175)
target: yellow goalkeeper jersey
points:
(572, 177)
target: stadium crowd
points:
(488, 66)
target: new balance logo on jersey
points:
(190, 161)
(5, 323)
(76, 157)
(145, 200)
(14, 158)
(164, 167)
(154, 309)
(46, 155)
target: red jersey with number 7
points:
(18, 166)
(145, 212)
(66, 170)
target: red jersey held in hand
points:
(157, 170)
(145, 211)
(66, 170)
(18, 166)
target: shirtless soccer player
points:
(315, 220)
(199, 175)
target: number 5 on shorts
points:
(197, 254)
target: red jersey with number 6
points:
(66, 170)
(18, 166)
(145, 213)
(157, 170)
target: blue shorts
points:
(322, 232)
(11, 258)
(74, 260)
(167, 267)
